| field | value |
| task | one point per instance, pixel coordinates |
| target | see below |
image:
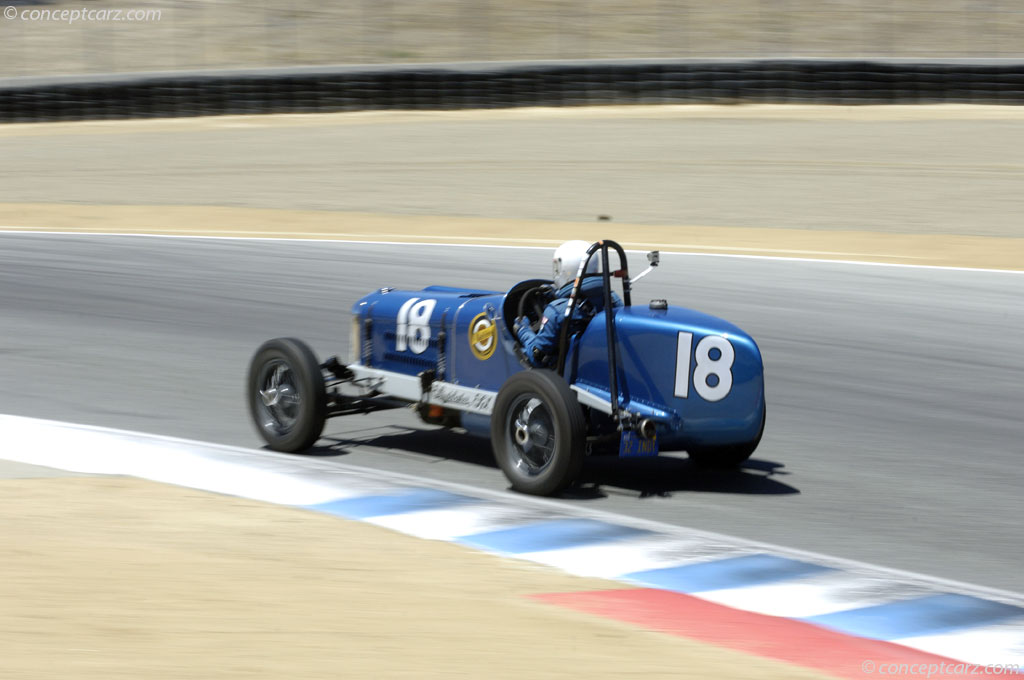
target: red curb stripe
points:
(789, 640)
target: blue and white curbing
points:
(955, 620)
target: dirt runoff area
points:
(176, 220)
(108, 577)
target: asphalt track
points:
(894, 393)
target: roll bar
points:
(606, 275)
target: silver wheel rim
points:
(277, 399)
(531, 435)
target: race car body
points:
(633, 379)
(452, 333)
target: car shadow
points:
(440, 444)
(663, 476)
(602, 476)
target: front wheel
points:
(538, 432)
(286, 395)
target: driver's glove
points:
(523, 330)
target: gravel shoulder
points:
(984, 252)
(121, 578)
(930, 170)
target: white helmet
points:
(566, 263)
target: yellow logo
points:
(483, 336)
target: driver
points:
(541, 345)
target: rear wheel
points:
(286, 395)
(538, 432)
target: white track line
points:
(626, 556)
(5, 230)
(814, 595)
(982, 645)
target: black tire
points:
(727, 457)
(547, 455)
(286, 395)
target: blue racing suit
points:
(544, 342)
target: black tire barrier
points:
(504, 85)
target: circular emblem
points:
(483, 336)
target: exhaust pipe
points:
(646, 429)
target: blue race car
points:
(631, 380)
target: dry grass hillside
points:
(194, 34)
